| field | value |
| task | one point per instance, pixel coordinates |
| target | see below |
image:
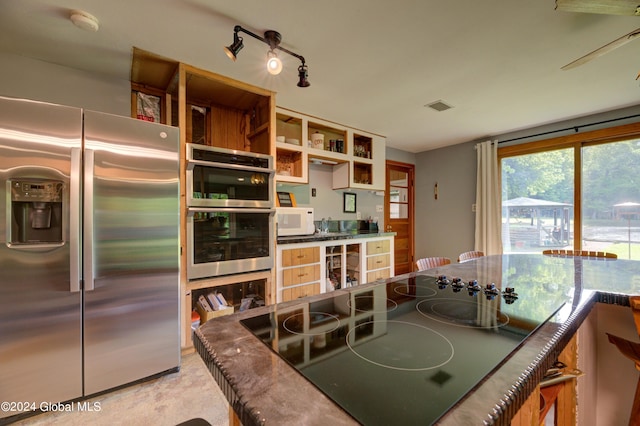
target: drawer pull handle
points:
(302, 275)
(379, 261)
(301, 256)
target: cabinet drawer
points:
(377, 262)
(302, 256)
(303, 274)
(300, 291)
(377, 247)
(378, 275)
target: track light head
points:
(274, 64)
(302, 75)
(234, 48)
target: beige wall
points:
(22, 77)
(445, 227)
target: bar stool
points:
(469, 255)
(432, 262)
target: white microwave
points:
(295, 221)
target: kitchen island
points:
(516, 340)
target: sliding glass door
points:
(580, 192)
(537, 201)
(611, 198)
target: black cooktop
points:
(403, 352)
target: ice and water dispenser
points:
(36, 211)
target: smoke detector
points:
(84, 20)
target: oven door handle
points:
(193, 163)
(192, 210)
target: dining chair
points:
(469, 255)
(432, 262)
(580, 253)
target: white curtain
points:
(488, 203)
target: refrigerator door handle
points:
(89, 160)
(74, 220)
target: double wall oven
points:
(230, 220)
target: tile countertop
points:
(263, 388)
(330, 236)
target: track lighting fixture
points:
(236, 46)
(274, 64)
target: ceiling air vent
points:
(439, 106)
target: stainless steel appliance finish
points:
(89, 290)
(229, 241)
(218, 177)
(231, 215)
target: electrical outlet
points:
(379, 208)
(313, 192)
(473, 207)
(358, 215)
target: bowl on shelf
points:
(280, 138)
(293, 141)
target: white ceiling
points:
(373, 64)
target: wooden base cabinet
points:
(255, 285)
(560, 397)
(300, 291)
(305, 269)
(300, 272)
(379, 262)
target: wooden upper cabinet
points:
(210, 109)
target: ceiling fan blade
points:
(604, 49)
(607, 7)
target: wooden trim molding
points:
(610, 134)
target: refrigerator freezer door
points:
(132, 307)
(40, 318)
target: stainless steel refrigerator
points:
(89, 269)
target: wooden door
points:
(399, 213)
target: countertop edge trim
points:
(245, 414)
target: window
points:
(577, 192)
(537, 201)
(611, 198)
(398, 194)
